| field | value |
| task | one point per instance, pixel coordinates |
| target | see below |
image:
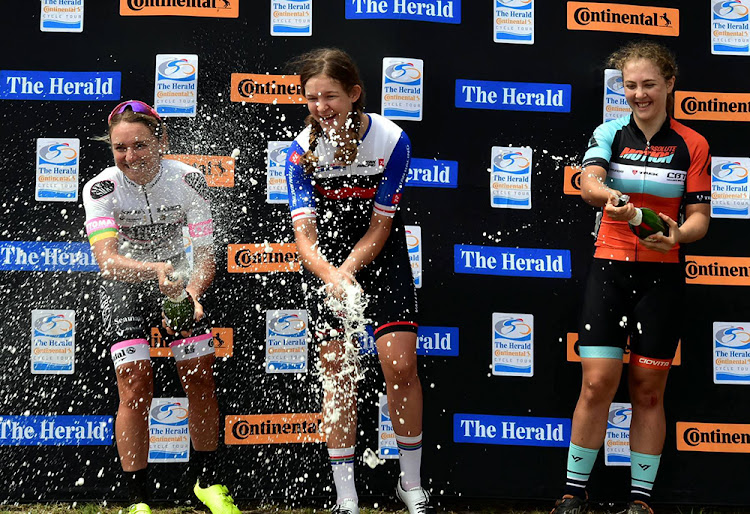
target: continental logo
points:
(267, 89)
(223, 343)
(572, 180)
(713, 437)
(200, 8)
(573, 355)
(262, 258)
(694, 105)
(639, 19)
(274, 429)
(218, 169)
(717, 271)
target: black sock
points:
(136, 483)
(201, 468)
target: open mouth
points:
(328, 119)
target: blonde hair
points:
(339, 66)
(657, 53)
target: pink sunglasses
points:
(136, 106)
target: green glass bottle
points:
(179, 311)
(646, 223)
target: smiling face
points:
(329, 103)
(136, 151)
(646, 91)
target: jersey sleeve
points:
(98, 195)
(299, 185)
(599, 151)
(698, 181)
(199, 219)
(396, 170)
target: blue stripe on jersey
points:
(604, 136)
(395, 172)
(298, 183)
(653, 188)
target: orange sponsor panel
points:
(638, 19)
(262, 258)
(717, 271)
(572, 354)
(223, 343)
(695, 105)
(200, 8)
(572, 180)
(218, 169)
(267, 89)
(713, 437)
(274, 429)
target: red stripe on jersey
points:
(347, 192)
(395, 324)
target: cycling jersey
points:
(147, 220)
(342, 199)
(662, 174)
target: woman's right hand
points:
(624, 213)
(170, 288)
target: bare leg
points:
(398, 358)
(339, 397)
(196, 376)
(135, 384)
(601, 377)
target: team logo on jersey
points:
(102, 189)
(294, 158)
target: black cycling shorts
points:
(643, 301)
(389, 285)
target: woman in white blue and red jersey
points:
(135, 212)
(635, 287)
(345, 173)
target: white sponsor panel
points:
(731, 352)
(176, 85)
(615, 105)
(57, 169)
(53, 342)
(291, 17)
(403, 88)
(169, 437)
(512, 344)
(387, 444)
(414, 246)
(510, 177)
(276, 189)
(617, 437)
(730, 27)
(729, 187)
(514, 21)
(286, 341)
(61, 16)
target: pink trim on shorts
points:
(189, 340)
(129, 342)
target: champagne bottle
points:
(179, 311)
(646, 223)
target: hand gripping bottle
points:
(646, 223)
(179, 311)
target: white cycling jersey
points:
(147, 220)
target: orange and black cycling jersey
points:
(662, 174)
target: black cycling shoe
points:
(570, 505)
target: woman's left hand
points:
(198, 308)
(660, 242)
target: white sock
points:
(410, 459)
(342, 464)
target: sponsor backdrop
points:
(499, 98)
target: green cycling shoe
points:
(139, 508)
(216, 498)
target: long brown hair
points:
(339, 66)
(657, 53)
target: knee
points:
(400, 369)
(136, 391)
(198, 379)
(598, 389)
(644, 396)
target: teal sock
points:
(580, 463)
(643, 468)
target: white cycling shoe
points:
(417, 500)
(348, 506)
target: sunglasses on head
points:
(136, 106)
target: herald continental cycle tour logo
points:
(640, 19)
